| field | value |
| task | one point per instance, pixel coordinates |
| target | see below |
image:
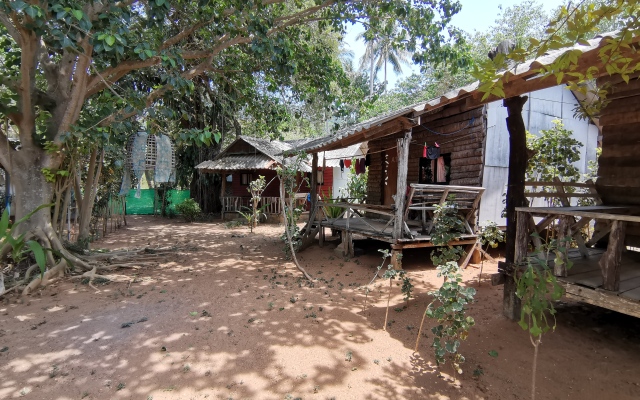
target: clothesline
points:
(420, 143)
(451, 133)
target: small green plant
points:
(448, 309)
(252, 216)
(490, 235)
(121, 386)
(255, 188)
(407, 288)
(447, 228)
(21, 248)
(331, 212)
(348, 356)
(289, 184)
(537, 288)
(189, 209)
(390, 274)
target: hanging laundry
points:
(363, 165)
(433, 152)
(126, 183)
(442, 173)
(424, 151)
(367, 160)
(139, 159)
(341, 166)
(347, 163)
(164, 158)
(357, 167)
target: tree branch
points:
(80, 77)
(6, 21)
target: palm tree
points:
(381, 51)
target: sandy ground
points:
(231, 319)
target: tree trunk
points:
(515, 195)
(31, 188)
(89, 195)
(371, 73)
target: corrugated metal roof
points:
(334, 156)
(237, 162)
(526, 72)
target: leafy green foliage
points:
(573, 24)
(537, 287)
(448, 309)
(189, 209)
(490, 235)
(555, 152)
(256, 187)
(331, 211)
(407, 288)
(18, 243)
(447, 228)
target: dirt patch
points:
(230, 318)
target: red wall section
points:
(327, 186)
(272, 189)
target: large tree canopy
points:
(85, 73)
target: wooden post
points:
(223, 190)
(347, 243)
(610, 261)
(515, 196)
(396, 259)
(314, 190)
(401, 186)
(522, 237)
(563, 242)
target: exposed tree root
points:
(90, 265)
(55, 272)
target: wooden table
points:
(572, 220)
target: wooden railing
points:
(352, 216)
(273, 204)
(565, 194)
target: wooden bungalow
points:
(247, 158)
(242, 162)
(609, 279)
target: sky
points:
(474, 15)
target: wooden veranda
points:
(414, 223)
(605, 277)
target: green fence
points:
(144, 205)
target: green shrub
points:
(189, 209)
